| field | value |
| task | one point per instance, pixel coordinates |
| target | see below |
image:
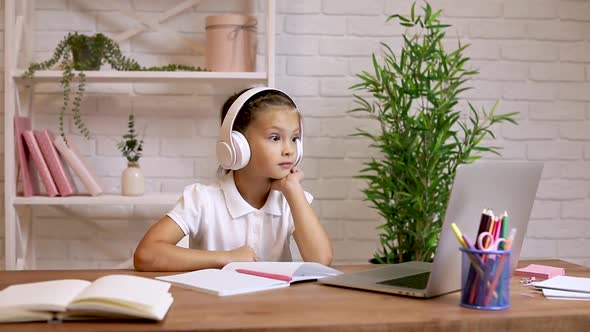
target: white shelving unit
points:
(147, 199)
(147, 76)
(18, 237)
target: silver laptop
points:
(500, 186)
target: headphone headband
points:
(225, 150)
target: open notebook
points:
(112, 296)
(247, 277)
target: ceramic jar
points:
(132, 181)
(230, 43)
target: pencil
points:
(265, 274)
(465, 243)
(504, 229)
(484, 225)
(494, 283)
(458, 235)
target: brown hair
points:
(259, 102)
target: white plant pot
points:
(132, 182)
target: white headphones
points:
(233, 150)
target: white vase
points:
(132, 182)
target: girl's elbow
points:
(324, 259)
(327, 259)
(143, 260)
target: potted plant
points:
(81, 52)
(422, 135)
(131, 147)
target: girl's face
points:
(272, 136)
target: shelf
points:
(114, 76)
(106, 199)
(19, 32)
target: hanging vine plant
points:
(79, 52)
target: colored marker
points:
(458, 235)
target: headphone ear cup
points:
(242, 150)
(299, 151)
(224, 154)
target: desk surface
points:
(311, 306)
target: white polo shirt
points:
(216, 217)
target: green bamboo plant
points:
(423, 136)
(79, 52)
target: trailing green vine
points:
(78, 52)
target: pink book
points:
(540, 271)
(27, 172)
(40, 163)
(83, 170)
(65, 185)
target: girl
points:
(258, 203)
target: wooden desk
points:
(311, 306)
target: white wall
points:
(534, 56)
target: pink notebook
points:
(83, 170)
(40, 163)
(25, 165)
(540, 271)
(65, 185)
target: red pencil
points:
(265, 274)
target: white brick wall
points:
(533, 55)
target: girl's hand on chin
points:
(288, 182)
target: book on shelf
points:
(247, 277)
(40, 163)
(62, 179)
(112, 296)
(78, 165)
(26, 170)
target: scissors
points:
(485, 241)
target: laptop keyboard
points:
(417, 281)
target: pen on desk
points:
(474, 279)
(470, 245)
(458, 235)
(490, 229)
(465, 243)
(476, 262)
(510, 238)
(500, 268)
(498, 230)
(504, 229)
(495, 228)
(265, 274)
(483, 222)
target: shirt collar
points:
(238, 207)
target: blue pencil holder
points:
(485, 279)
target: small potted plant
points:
(79, 52)
(131, 147)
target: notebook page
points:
(54, 295)
(118, 309)
(565, 295)
(222, 283)
(140, 291)
(566, 283)
(283, 268)
(298, 271)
